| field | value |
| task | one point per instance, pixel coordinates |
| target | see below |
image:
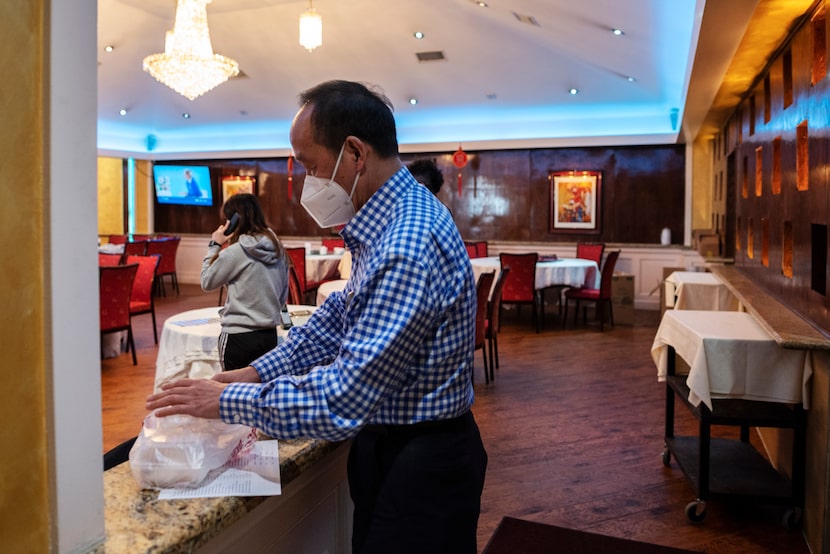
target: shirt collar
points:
(369, 223)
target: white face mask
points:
(326, 201)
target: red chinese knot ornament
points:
(459, 160)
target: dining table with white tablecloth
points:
(698, 290)
(189, 343)
(574, 272)
(322, 267)
(730, 355)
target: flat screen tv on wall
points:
(183, 184)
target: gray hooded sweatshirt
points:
(257, 280)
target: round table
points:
(324, 290)
(189, 343)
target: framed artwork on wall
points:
(575, 201)
(236, 184)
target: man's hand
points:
(244, 375)
(195, 397)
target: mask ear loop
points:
(354, 186)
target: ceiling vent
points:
(434, 56)
(529, 19)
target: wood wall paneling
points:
(505, 194)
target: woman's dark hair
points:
(251, 219)
(426, 171)
(344, 108)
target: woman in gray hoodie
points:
(254, 266)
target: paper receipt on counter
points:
(257, 474)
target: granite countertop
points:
(136, 521)
(789, 329)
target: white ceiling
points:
(504, 82)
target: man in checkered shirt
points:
(387, 362)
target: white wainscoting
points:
(645, 262)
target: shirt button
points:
(236, 418)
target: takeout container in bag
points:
(179, 451)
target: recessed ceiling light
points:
(573, 91)
(418, 34)
(123, 111)
(186, 115)
(413, 100)
(617, 32)
(630, 79)
(479, 3)
(109, 48)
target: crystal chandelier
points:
(188, 64)
(311, 28)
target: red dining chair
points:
(520, 283)
(295, 291)
(481, 248)
(308, 288)
(332, 243)
(135, 248)
(590, 251)
(167, 248)
(114, 289)
(105, 258)
(485, 283)
(586, 251)
(117, 239)
(142, 237)
(601, 297)
(472, 252)
(491, 332)
(141, 298)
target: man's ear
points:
(356, 150)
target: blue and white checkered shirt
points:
(394, 347)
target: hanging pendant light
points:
(188, 64)
(311, 28)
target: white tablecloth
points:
(324, 290)
(731, 356)
(322, 267)
(574, 272)
(189, 343)
(698, 290)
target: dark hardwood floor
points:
(573, 426)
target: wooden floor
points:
(573, 426)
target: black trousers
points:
(417, 488)
(238, 350)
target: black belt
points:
(418, 428)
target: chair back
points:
(520, 283)
(494, 308)
(295, 293)
(114, 289)
(141, 297)
(297, 257)
(485, 283)
(167, 248)
(135, 248)
(142, 237)
(481, 248)
(105, 258)
(332, 243)
(471, 250)
(607, 276)
(117, 239)
(590, 251)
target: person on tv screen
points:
(192, 186)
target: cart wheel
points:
(696, 511)
(792, 519)
(666, 456)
